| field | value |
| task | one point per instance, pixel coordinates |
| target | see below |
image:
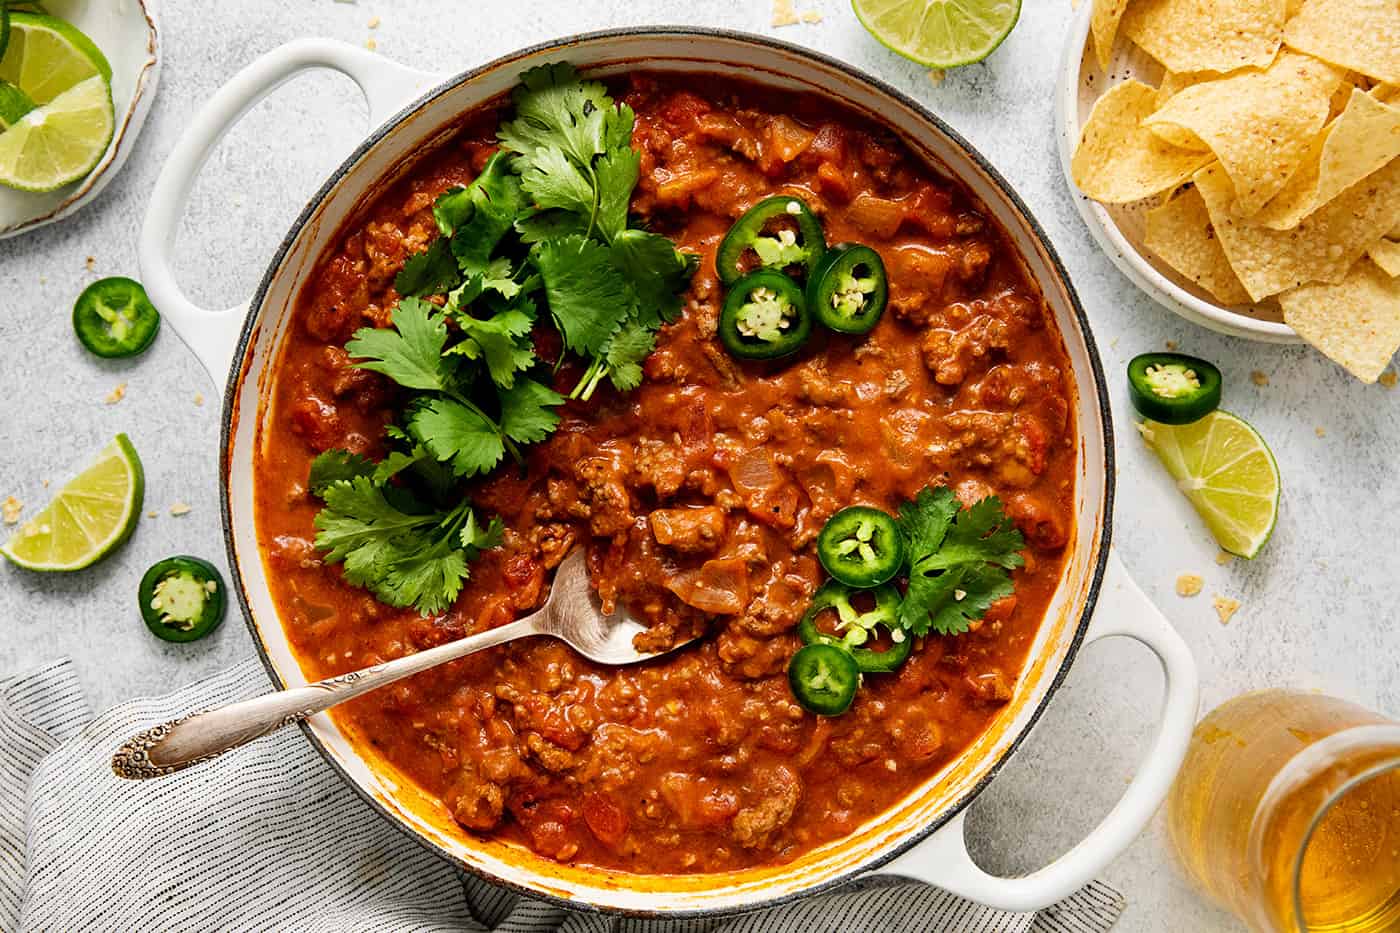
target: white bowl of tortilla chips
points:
(1239, 160)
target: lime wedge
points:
(88, 519)
(46, 56)
(939, 33)
(59, 142)
(1227, 471)
(14, 104)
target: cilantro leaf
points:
(331, 466)
(549, 225)
(502, 340)
(404, 558)
(430, 272)
(983, 532)
(587, 295)
(395, 463)
(924, 522)
(553, 107)
(957, 560)
(410, 353)
(357, 516)
(617, 175)
(482, 539)
(453, 432)
(624, 354)
(527, 411)
(980, 587)
(656, 270)
(554, 181)
(495, 276)
(452, 209)
(497, 201)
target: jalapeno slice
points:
(861, 546)
(114, 318)
(848, 288)
(823, 678)
(182, 598)
(855, 628)
(800, 244)
(1173, 388)
(764, 317)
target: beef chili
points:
(699, 498)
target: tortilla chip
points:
(1356, 322)
(1363, 35)
(1103, 23)
(1365, 137)
(1180, 233)
(1259, 124)
(1207, 35)
(1118, 160)
(1386, 254)
(1172, 84)
(1320, 249)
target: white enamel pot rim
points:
(1095, 598)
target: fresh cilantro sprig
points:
(404, 554)
(958, 560)
(442, 415)
(539, 238)
(608, 288)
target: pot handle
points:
(212, 335)
(943, 859)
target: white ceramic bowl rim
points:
(1096, 572)
(1104, 229)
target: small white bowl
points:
(125, 31)
(1119, 229)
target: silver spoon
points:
(571, 614)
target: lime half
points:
(88, 519)
(939, 33)
(46, 56)
(1227, 471)
(59, 142)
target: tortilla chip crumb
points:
(1224, 557)
(179, 508)
(45, 483)
(152, 514)
(90, 262)
(1320, 431)
(1225, 607)
(371, 44)
(11, 509)
(1387, 379)
(373, 22)
(784, 14)
(1189, 584)
(811, 16)
(1259, 378)
(1172, 344)
(936, 75)
(199, 398)
(117, 394)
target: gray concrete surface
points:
(1317, 608)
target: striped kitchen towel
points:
(268, 838)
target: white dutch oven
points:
(922, 837)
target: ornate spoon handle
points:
(175, 745)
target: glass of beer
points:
(1287, 813)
